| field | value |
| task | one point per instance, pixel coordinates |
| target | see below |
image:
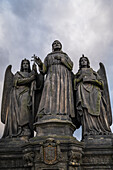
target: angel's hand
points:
(37, 60)
(34, 68)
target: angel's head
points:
(25, 65)
(84, 62)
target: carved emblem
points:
(50, 151)
(50, 154)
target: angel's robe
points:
(90, 103)
(19, 110)
(57, 95)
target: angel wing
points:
(8, 84)
(102, 73)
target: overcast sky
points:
(29, 27)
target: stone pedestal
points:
(55, 127)
(54, 147)
(98, 153)
(48, 153)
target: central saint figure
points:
(57, 95)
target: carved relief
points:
(29, 158)
(50, 152)
(74, 158)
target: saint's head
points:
(56, 46)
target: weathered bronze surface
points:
(54, 106)
(57, 95)
(17, 103)
(93, 109)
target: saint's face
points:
(25, 65)
(84, 62)
(56, 45)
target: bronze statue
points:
(25, 100)
(57, 95)
(17, 111)
(93, 110)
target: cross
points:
(34, 57)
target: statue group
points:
(55, 92)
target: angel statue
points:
(17, 112)
(93, 110)
(57, 96)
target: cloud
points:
(112, 128)
(83, 27)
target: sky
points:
(29, 27)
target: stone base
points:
(54, 127)
(11, 155)
(58, 153)
(98, 153)
(53, 148)
(41, 153)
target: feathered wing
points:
(8, 84)
(102, 74)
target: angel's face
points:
(25, 65)
(84, 62)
